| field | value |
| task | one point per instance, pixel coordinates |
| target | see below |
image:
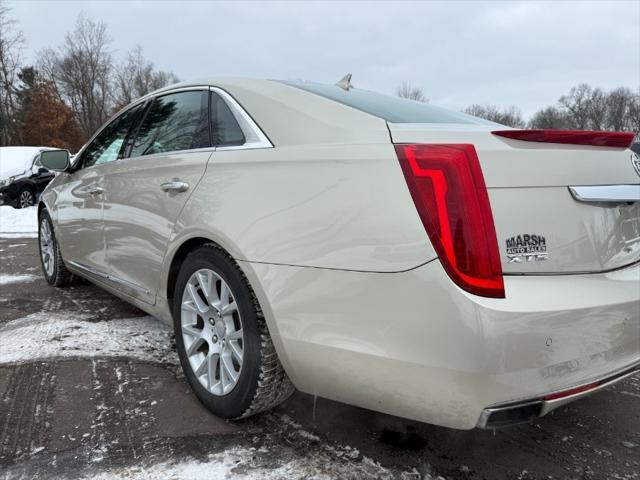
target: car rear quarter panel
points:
(332, 206)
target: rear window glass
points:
(391, 109)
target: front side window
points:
(224, 126)
(107, 145)
(177, 121)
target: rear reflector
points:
(573, 391)
(449, 192)
(572, 137)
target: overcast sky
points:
(505, 53)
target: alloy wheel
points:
(47, 247)
(26, 199)
(212, 331)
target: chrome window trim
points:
(606, 193)
(253, 134)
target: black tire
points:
(262, 383)
(60, 275)
(26, 198)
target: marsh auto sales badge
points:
(526, 248)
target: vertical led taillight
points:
(448, 189)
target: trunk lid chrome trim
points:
(606, 193)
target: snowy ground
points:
(18, 223)
(90, 388)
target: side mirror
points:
(57, 160)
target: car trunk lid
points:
(543, 226)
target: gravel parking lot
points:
(90, 388)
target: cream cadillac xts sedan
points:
(368, 249)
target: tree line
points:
(583, 108)
(72, 89)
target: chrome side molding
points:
(90, 270)
(109, 277)
(606, 193)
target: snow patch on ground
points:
(247, 463)
(68, 335)
(18, 223)
(5, 279)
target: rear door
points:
(145, 192)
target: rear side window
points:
(106, 147)
(176, 121)
(225, 130)
(391, 109)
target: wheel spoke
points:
(228, 368)
(193, 293)
(223, 379)
(224, 294)
(229, 308)
(236, 350)
(193, 348)
(205, 285)
(189, 306)
(213, 360)
(191, 330)
(203, 367)
(235, 335)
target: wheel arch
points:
(178, 256)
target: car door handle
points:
(96, 191)
(175, 186)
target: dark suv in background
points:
(22, 176)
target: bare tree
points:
(136, 77)
(510, 116)
(406, 90)
(549, 118)
(633, 114)
(577, 106)
(621, 103)
(588, 108)
(11, 43)
(82, 72)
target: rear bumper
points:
(412, 344)
(519, 412)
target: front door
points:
(80, 200)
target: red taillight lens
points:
(571, 137)
(448, 189)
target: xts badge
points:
(526, 248)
